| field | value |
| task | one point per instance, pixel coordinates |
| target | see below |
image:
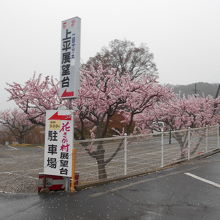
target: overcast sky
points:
(183, 35)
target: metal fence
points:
(108, 158)
(116, 157)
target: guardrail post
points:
(162, 148)
(189, 142)
(218, 144)
(170, 136)
(125, 154)
(67, 184)
(206, 138)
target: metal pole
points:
(125, 154)
(162, 148)
(218, 144)
(72, 185)
(189, 142)
(67, 184)
(206, 139)
(170, 136)
(72, 180)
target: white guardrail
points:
(110, 158)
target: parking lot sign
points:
(58, 143)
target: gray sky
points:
(184, 35)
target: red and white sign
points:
(70, 58)
(58, 143)
(51, 182)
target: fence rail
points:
(109, 158)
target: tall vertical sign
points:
(58, 143)
(70, 58)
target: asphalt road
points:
(166, 195)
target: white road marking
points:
(12, 148)
(19, 171)
(41, 147)
(5, 192)
(203, 180)
(18, 174)
(6, 173)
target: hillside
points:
(202, 88)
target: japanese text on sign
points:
(58, 143)
(70, 57)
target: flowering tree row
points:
(102, 95)
(121, 80)
(179, 114)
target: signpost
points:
(70, 70)
(70, 58)
(58, 143)
(60, 154)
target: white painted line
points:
(12, 148)
(18, 174)
(41, 147)
(203, 180)
(6, 173)
(5, 192)
(19, 171)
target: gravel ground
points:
(19, 168)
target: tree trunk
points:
(20, 139)
(100, 158)
(197, 146)
(182, 152)
(101, 169)
(182, 141)
(170, 136)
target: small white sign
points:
(70, 58)
(58, 143)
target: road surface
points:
(188, 191)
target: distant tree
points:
(5, 135)
(16, 123)
(125, 58)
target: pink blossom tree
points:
(103, 94)
(37, 95)
(181, 113)
(16, 124)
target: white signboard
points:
(58, 143)
(70, 58)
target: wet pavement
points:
(166, 195)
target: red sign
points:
(60, 117)
(67, 94)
